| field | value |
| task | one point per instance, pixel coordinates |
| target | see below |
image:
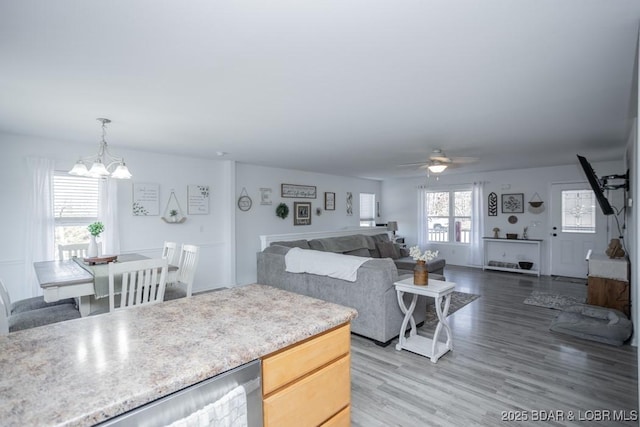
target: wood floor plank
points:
(504, 358)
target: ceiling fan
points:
(438, 161)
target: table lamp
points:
(392, 226)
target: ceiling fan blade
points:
(442, 159)
(464, 159)
(413, 164)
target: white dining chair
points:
(33, 318)
(187, 265)
(73, 250)
(142, 282)
(169, 251)
(28, 304)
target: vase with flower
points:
(420, 272)
(94, 230)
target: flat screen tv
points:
(596, 186)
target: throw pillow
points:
(388, 250)
(359, 252)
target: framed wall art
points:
(146, 199)
(198, 199)
(349, 203)
(298, 191)
(265, 196)
(492, 207)
(513, 203)
(329, 201)
(301, 213)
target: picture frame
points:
(301, 213)
(329, 201)
(296, 191)
(512, 203)
(349, 203)
(198, 199)
(146, 199)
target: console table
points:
(513, 251)
(428, 347)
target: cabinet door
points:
(288, 365)
(312, 400)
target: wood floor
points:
(505, 362)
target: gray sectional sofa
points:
(372, 294)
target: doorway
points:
(577, 226)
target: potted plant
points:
(94, 230)
(173, 213)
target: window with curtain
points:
(75, 206)
(367, 210)
(447, 216)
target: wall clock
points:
(244, 201)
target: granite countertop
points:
(87, 370)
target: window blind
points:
(75, 197)
(367, 207)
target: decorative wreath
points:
(282, 210)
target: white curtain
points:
(423, 235)
(108, 215)
(40, 229)
(477, 224)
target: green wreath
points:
(282, 211)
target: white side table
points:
(429, 347)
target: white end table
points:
(429, 347)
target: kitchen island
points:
(84, 371)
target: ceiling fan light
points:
(79, 169)
(437, 168)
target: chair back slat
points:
(76, 249)
(143, 282)
(4, 316)
(189, 256)
(169, 251)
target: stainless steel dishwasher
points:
(183, 403)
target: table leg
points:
(442, 323)
(84, 305)
(408, 317)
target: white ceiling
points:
(347, 87)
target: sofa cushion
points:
(359, 252)
(341, 244)
(388, 250)
(302, 244)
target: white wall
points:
(137, 233)
(401, 202)
(262, 219)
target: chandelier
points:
(102, 164)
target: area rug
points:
(458, 300)
(554, 301)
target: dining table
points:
(76, 278)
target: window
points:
(448, 216)
(367, 210)
(75, 205)
(578, 211)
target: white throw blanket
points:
(330, 264)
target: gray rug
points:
(458, 300)
(554, 301)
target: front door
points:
(577, 225)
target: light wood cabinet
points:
(608, 283)
(309, 384)
(609, 293)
